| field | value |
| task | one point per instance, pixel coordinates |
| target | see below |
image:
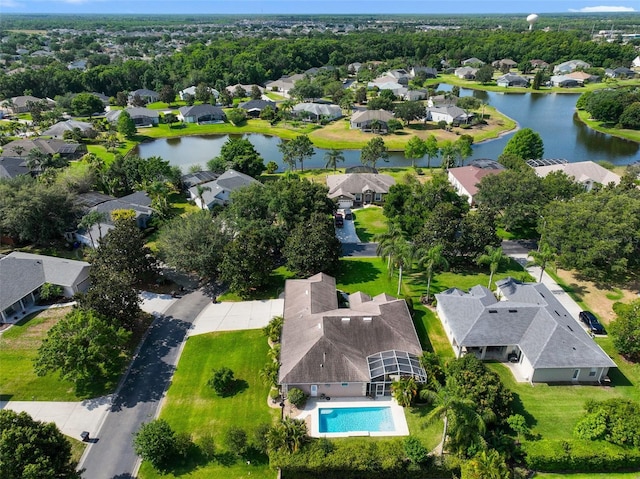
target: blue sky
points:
(315, 6)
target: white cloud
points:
(602, 8)
(9, 4)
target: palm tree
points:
(269, 373)
(486, 465)
(200, 189)
(375, 126)
(332, 157)
(403, 252)
(404, 390)
(494, 258)
(432, 260)
(385, 239)
(296, 433)
(90, 219)
(37, 160)
(544, 258)
(450, 406)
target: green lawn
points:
(18, 348)
(595, 475)
(193, 407)
(369, 222)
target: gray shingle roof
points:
(531, 317)
(228, 181)
(202, 110)
(10, 167)
(359, 182)
(323, 343)
(21, 273)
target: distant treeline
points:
(255, 60)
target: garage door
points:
(345, 204)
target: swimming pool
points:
(350, 419)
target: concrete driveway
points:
(347, 234)
(72, 418)
(236, 316)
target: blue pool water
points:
(372, 419)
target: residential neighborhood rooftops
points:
(61, 127)
(10, 167)
(586, 172)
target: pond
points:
(553, 116)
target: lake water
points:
(551, 115)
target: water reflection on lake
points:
(551, 115)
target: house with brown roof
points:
(465, 179)
(328, 350)
(358, 189)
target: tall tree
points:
(404, 390)
(432, 260)
(526, 144)
(431, 149)
(240, 154)
(332, 158)
(374, 150)
(301, 148)
(86, 104)
(544, 257)
(625, 329)
(126, 126)
(494, 257)
(89, 220)
(463, 148)
(86, 349)
(415, 149)
(487, 464)
(32, 449)
(167, 94)
(312, 247)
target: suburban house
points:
(528, 328)
(357, 189)
(203, 114)
(354, 67)
(401, 75)
(23, 274)
(21, 148)
(449, 114)
(231, 89)
(184, 94)
(583, 77)
(414, 95)
(10, 167)
(255, 107)
(429, 72)
(636, 62)
(473, 61)
(465, 179)
(218, 191)
(387, 82)
(21, 104)
(148, 96)
(139, 202)
(58, 130)
(564, 81)
(198, 178)
(504, 63)
(587, 173)
(569, 66)
(141, 116)
(620, 72)
(363, 120)
(333, 351)
(539, 64)
(284, 84)
(511, 79)
(441, 100)
(317, 111)
(466, 73)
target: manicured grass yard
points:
(18, 348)
(193, 407)
(369, 222)
(595, 475)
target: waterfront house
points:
(358, 189)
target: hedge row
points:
(579, 456)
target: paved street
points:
(112, 456)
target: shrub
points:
(415, 450)
(297, 397)
(272, 167)
(236, 440)
(207, 446)
(50, 291)
(221, 381)
(614, 420)
(274, 394)
(156, 442)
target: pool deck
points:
(314, 404)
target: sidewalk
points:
(72, 418)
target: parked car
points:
(588, 318)
(339, 220)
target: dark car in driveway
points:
(588, 318)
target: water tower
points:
(531, 20)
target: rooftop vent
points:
(513, 310)
(569, 328)
(346, 319)
(493, 310)
(367, 318)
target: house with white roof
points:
(587, 173)
(528, 327)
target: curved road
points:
(139, 398)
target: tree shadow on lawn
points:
(236, 387)
(355, 272)
(421, 329)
